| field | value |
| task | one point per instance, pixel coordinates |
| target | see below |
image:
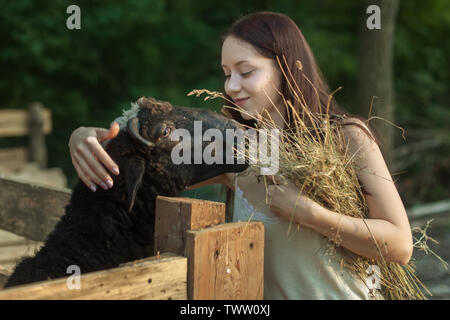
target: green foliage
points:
(162, 48)
(422, 84)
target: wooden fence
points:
(197, 254)
(34, 123)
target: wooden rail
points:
(153, 278)
(30, 210)
(428, 210)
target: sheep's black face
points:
(178, 146)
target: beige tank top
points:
(298, 264)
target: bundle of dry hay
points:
(314, 157)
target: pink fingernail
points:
(109, 183)
(115, 170)
(93, 188)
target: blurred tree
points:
(375, 69)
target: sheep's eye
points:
(166, 132)
(162, 131)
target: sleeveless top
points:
(297, 262)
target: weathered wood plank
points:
(30, 210)
(175, 215)
(13, 253)
(12, 159)
(4, 274)
(30, 172)
(14, 122)
(153, 278)
(13, 248)
(226, 262)
(429, 209)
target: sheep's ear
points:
(134, 167)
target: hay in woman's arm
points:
(387, 221)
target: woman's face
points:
(250, 78)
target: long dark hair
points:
(276, 36)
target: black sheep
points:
(104, 229)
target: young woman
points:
(296, 265)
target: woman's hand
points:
(286, 201)
(90, 159)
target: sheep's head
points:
(171, 150)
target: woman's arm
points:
(387, 224)
(90, 159)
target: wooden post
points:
(175, 216)
(226, 262)
(37, 151)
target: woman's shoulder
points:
(357, 137)
(353, 123)
(357, 131)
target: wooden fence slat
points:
(14, 122)
(14, 253)
(12, 159)
(176, 215)
(428, 210)
(152, 278)
(30, 210)
(226, 262)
